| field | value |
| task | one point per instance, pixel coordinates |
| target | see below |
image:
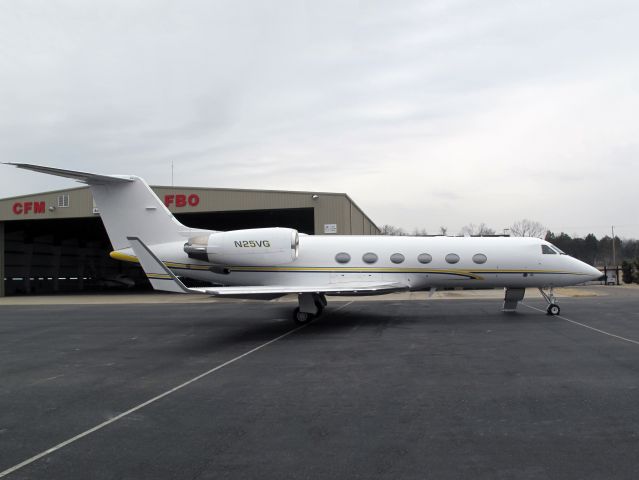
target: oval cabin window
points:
(479, 258)
(369, 257)
(424, 258)
(397, 258)
(343, 257)
(452, 258)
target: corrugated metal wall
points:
(330, 208)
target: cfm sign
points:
(25, 208)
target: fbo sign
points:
(25, 208)
(181, 200)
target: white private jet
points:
(267, 263)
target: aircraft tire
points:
(553, 309)
(301, 318)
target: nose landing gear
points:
(553, 309)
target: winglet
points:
(159, 275)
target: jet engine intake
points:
(250, 247)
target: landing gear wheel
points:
(320, 303)
(301, 318)
(553, 309)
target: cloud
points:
(426, 113)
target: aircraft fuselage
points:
(419, 262)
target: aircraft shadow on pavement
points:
(389, 317)
(251, 328)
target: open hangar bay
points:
(375, 389)
(55, 242)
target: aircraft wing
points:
(273, 291)
(162, 278)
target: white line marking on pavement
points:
(154, 399)
(587, 326)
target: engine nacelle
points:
(251, 247)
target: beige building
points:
(55, 241)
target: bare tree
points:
(486, 230)
(528, 228)
(468, 229)
(443, 230)
(476, 230)
(392, 230)
(420, 232)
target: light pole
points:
(614, 256)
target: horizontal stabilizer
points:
(127, 206)
(89, 178)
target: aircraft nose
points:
(588, 271)
(594, 273)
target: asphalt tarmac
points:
(385, 389)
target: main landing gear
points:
(311, 306)
(553, 309)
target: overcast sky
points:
(426, 113)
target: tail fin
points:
(127, 205)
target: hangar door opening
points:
(67, 255)
(301, 219)
(72, 255)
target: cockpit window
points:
(555, 249)
(546, 250)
